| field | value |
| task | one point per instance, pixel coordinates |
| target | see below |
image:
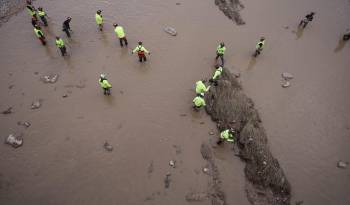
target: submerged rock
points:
(286, 84)
(7, 111)
(342, 164)
(287, 76)
(108, 147)
(25, 124)
(52, 78)
(170, 30)
(36, 104)
(14, 141)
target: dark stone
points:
(7, 111)
(108, 147)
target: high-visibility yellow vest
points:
(59, 43)
(119, 31)
(99, 19)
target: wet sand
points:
(62, 160)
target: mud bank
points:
(9, 8)
(231, 9)
(231, 108)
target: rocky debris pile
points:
(14, 140)
(231, 108)
(231, 9)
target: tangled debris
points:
(231, 108)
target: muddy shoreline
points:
(230, 108)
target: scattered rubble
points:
(14, 140)
(7, 111)
(108, 147)
(52, 78)
(170, 30)
(200, 196)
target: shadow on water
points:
(299, 32)
(49, 51)
(104, 38)
(110, 98)
(252, 63)
(340, 46)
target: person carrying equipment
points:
(61, 46)
(99, 19)
(220, 51)
(42, 15)
(31, 9)
(259, 47)
(105, 84)
(226, 135)
(200, 87)
(198, 101)
(308, 18)
(119, 31)
(66, 26)
(141, 52)
(39, 34)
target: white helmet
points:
(103, 75)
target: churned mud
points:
(231, 9)
(10, 7)
(231, 108)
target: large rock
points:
(14, 140)
(170, 30)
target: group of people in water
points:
(200, 87)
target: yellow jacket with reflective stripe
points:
(226, 135)
(41, 13)
(140, 48)
(200, 87)
(262, 45)
(99, 19)
(60, 43)
(217, 73)
(221, 50)
(199, 101)
(119, 31)
(38, 32)
(104, 83)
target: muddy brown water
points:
(63, 161)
